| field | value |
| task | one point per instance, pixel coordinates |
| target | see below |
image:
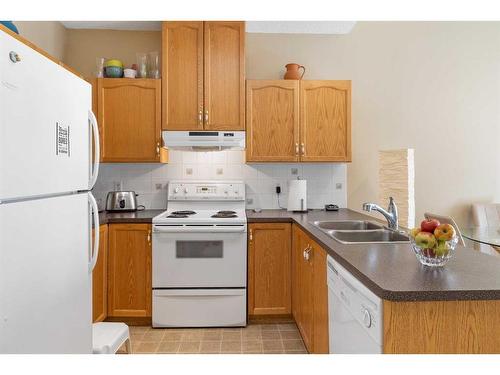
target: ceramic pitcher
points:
(292, 71)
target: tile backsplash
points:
(326, 182)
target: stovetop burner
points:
(185, 213)
(177, 216)
(225, 214)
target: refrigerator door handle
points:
(95, 247)
(97, 149)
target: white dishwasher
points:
(354, 314)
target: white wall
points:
(261, 179)
(431, 86)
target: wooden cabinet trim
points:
(100, 278)
(434, 327)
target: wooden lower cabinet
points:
(99, 278)
(320, 300)
(309, 291)
(129, 271)
(269, 252)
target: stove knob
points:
(367, 319)
(186, 190)
(226, 192)
(176, 190)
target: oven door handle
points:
(199, 229)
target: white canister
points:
(129, 73)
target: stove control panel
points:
(203, 190)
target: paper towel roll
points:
(297, 195)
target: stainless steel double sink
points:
(359, 232)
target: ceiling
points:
(274, 27)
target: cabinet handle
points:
(305, 253)
(303, 147)
(250, 236)
(149, 237)
(296, 148)
(200, 117)
(206, 116)
(158, 148)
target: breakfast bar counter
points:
(392, 271)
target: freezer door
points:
(44, 124)
(45, 284)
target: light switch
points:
(294, 171)
(338, 186)
(189, 171)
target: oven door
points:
(199, 256)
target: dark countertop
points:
(392, 271)
(144, 216)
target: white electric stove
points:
(200, 256)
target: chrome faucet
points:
(391, 214)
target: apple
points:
(429, 225)
(425, 240)
(444, 232)
(442, 248)
(414, 232)
(429, 253)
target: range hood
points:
(204, 140)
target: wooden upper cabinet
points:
(224, 61)
(272, 120)
(129, 117)
(325, 120)
(129, 268)
(99, 278)
(203, 68)
(182, 70)
(269, 257)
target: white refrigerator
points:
(49, 152)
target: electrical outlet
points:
(159, 186)
(118, 185)
(294, 171)
(189, 171)
(249, 200)
(338, 186)
(219, 171)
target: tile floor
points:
(253, 339)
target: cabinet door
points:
(99, 278)
(320, 303)
(129, 115)
(272, 120)
(325, 120)
(224, 78)
(302, 287)
(182, 71)
(269, 253)
(129, 267)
